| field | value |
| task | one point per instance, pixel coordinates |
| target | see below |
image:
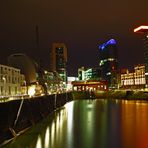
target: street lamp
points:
(4, 79)
(25, 87)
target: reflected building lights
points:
(47, 138)
(57, 124)
(90, 105)
(52, 133)
(69, 109)
(137, 127)
(39, 143)
(100, 123)
(61, 118)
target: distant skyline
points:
(81, 25)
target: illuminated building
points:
(81, 73)
(89, 79)
(89, 73)
(58, 59)
(38, 80)
(90, 85)
(53, 82)
(144, 31)
(134, 79)
(108, 62)
(69, 82)
(11, 81)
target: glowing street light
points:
(4, 79)
(31, 91)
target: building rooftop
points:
(110, 42)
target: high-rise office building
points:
(58, 59)
(143, 30)
(89, 73)
(108, 62)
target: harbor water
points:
(99, 123)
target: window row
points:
(9, 79)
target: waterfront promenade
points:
(19, 115)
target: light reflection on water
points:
(91, 124)
(39, 143)
(47, 135)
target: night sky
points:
(81, 25)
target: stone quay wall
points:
(18, 115)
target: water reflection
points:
(69, 111)
(39, 143)
(91, 124)
(135, 124)
(47, 135)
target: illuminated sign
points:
(140, 28)
(110, 42)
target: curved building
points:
(25, 64)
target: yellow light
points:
(31, 91)
(39, 144)
(47, 138)
(69, 109)
(53, 134)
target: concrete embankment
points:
(20, 114)
(122, 94)
(112, 94)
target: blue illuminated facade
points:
(108, 62)
(110, 42)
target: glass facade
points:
(108, 62)
(58, 60)
(89, 73)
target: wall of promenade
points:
(122, 94)
(20, 114)
(112, 94)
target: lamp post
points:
(25, 87)
(4, 79)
